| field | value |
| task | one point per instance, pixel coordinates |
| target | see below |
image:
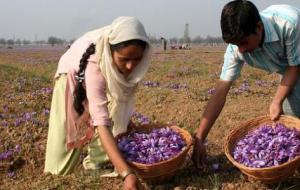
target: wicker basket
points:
(164, 170)
(269, 174)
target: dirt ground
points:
(186, 79)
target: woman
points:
(94, 92)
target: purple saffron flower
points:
(6, 155)
(11, 174)
(45, 111)
(5, 108)
(17, 122)
(211, 90)
(17, 148)
(150, 84)
(4, 123)
(27, 116)
(268, 146)
(157, 145)
(215, 167)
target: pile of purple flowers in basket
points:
(147, 148)
(268, 146)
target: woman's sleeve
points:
(96, 94)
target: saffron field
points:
(174, 91)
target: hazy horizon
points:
(67, 19)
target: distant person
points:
(186, 46)
(270, 41)
(164, 44)
(173, 46)
(93, 98)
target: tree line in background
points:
(52, 40)
(195, 40)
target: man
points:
(163, 43)
(270, 41)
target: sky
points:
(69, 19)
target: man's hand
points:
(287, 83)
(275, 110)
(211, 113)
(199, 154)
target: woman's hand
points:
(110, 146)
(275, 110)
(131, 182)
(199, 154)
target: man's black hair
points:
(239, 19)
